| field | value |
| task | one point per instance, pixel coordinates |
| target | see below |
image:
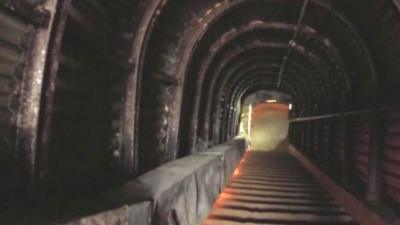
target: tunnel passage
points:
(270, 125)
(95, 93)
(264, 119)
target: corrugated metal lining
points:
(337, 133)
(328, 153)
(360, 147)
(315, 143)
(307, 137)
(328, 143)
(392, 156)
(14, 34)
(84, 130)
(351, 147)
(324, 146)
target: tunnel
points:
(213, 112)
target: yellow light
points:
(237, 172)
(272, 101)
(223, 196)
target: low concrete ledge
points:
(183, 191)
(229, 155)
(180, 192)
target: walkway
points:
(272, 188)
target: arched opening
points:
(265, 119)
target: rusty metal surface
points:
(83, 101)
(273, 188)
(32, 47)
(364, 146)
(362, 212)
(13, 52)
(360, 145)
(23, 47)
(14, 36)
(31, 11)
(391, 166)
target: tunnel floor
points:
(272, 187)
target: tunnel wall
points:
(359, 151)
(24, 39)
(64, 69)
(97, 92)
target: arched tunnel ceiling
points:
(181, 68)
(204, 55)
